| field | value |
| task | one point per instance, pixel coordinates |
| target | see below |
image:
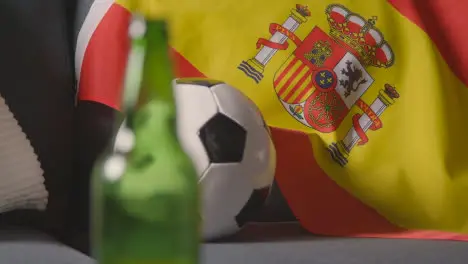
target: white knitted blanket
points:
(21, 176)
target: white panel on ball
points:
(260, 158)
(237, 106)
(259, 153)
(195, 105)
(226, 189)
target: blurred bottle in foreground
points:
(145, 192)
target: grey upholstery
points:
(30, 247)
(289, 244)
(258, 244)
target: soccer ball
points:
(224, 133)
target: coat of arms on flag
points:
(325, 76)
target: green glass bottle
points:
(145, 191)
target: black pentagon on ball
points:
(224, 139)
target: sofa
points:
(37, 74)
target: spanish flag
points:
(367, 100)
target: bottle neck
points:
(149, 69)
(157, 71)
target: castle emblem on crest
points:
(325, 76)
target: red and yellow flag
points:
(367, 100)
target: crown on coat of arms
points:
(361, 35)
(303, 10)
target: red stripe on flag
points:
(445, 23)
(183, 68)
(104, 62)
(321, 205)
(105, 58)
